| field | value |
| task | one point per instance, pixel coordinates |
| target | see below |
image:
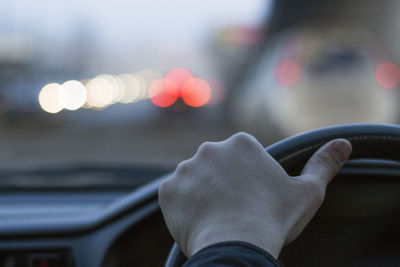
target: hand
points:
(234, 190)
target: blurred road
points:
(163, 144)
(156, 138)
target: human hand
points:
(234, 190)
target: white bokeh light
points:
(49, 98)
(101, 92)
(132, 88)
(72, 95)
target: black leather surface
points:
(375, 141)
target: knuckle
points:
(243, 138)
(183, 168)
(207, 149)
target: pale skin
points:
(234, 190)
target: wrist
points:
(267, 238)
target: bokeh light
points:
(72, 95)
(84, 83)
(196, 92)
(387, 75)
(102, 91)
(132, 88)
(120, 92)
(144, 85)
(146, 77)
(49, 99)
(287, 73)
(114, 86)
(180, 76)
(162, 92)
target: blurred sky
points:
(119, 23)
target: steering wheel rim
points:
(374, 141)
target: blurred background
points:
(144, 83)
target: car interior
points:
(84, 152)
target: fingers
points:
(327, 160)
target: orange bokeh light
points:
(196, 92)
(163, 92)
(179, 76)
(287, 73)
(387, 75)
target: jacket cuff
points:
(239, 251)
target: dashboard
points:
(80, 228)
(356, 226)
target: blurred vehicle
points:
(100, 100)
(329, 66)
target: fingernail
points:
(341, 150)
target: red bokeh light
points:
(163, 92)
(387, 75)
(179, 76)
(287, 73)
(196, 92)
(180, 82)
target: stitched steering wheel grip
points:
(369, 141)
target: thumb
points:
(327, 160)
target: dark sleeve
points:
(232, 253)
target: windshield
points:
(144, 83)
(81, 80)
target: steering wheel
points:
(369, 141)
